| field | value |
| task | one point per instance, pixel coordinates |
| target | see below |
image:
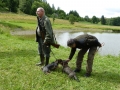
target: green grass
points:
(18, 56)
(28, 22)
(23, 21)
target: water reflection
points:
(111, 41)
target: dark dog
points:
(51, 66)
(68, 70)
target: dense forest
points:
(29, 7)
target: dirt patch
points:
(31, 32)
(28, 32)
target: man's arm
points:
(71, 53)
(49, 31)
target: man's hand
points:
(68, 60)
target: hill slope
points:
(28, 22)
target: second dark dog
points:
(51, 66)
(68, 70)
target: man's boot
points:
(87, 74)
(47, 61)
(41, 60)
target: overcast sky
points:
(108, 8)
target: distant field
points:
(28, 22)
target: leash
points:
(53, 55)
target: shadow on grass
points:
(107, 76)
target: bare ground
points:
(31, 32)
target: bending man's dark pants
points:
(90, 58)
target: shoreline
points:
(31, 32)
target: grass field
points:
(18, 56)
(28, 22)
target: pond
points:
(111, 41)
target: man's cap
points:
(70, 42)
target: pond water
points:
(111, 41)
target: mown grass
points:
(28, 22)
(18, 56)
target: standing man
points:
(44, 36)
(83, 42)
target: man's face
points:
(39, 12)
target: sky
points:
(108, 8)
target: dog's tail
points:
(76, 78)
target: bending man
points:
(84, 43)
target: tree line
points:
(30, 6)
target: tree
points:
(12, 5)
(2, 4)
(53, 7)
(48, 9)
(103, 20)
(115, 21)
(54, 15)
(25, 6)
(71, 18)
(35, 5)
(86, 18)
(95, 20)
(60, 13)
(75, 14)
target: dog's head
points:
(64, 63)
(59, 61)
